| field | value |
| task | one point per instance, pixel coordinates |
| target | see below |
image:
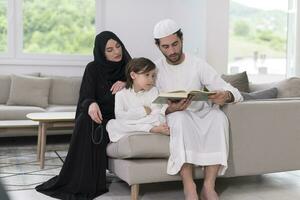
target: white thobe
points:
(131, 116)
(199, 134)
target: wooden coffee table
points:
(49, 120)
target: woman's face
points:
(113, 51)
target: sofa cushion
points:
(140, 146)
(61, 108)
(254, 87)
(239, 81)
(30, 91)
(289, 88)
(262, 94)
(4, 88)
(5, 81)
(17, 112)
(64, 90)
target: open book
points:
(195, 95)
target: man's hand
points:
(178, 106)
(221, 97)
(95, 113)
(117, 86)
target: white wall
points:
(297, 54)
(217, 18)
(133, 21)
(204, 24)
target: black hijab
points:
(114, 70)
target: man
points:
(198, 130)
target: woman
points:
(83, 173)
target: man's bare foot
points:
(190, 192)
(162, 128)
(208, 194)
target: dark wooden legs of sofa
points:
(135, 191)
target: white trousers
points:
(118, 128)
(199, 138)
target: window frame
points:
(15, 54)
(289, 40)
(292, 37)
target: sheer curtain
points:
(293, 44)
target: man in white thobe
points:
(198, 130)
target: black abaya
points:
(83, 173)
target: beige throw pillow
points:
(239, 81)
(289, 88)
(29, 91)
(5, 81)
(64, 90)
(4, 88)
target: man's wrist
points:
(229, 97)
(169, 110)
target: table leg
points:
(43, 144)
(39, 142)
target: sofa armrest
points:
(264, 136)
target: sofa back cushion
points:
(261, 94)
(239, 81)
(254, 87)
(64, 90)
(30, 91)
(4, 88)
(289, 88)
(5, 82)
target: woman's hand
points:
(117, 86)
(95, 113)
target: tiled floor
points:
(20, 173)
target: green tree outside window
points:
(58, 26)
(3, 25)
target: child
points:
(133, 109)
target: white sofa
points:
(264, 134)
(264, 138)
(23, 94)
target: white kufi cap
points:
(164, 28)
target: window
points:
(58, 26)
(3, 26)
(48, 32)
(258, 38)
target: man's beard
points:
(174, 58)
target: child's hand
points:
(148, 110)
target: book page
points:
(198, 95)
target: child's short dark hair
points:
(137, 65)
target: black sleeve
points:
(87, 94)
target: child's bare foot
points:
(208, 194)
(162, 128)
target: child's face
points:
(144, 81)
